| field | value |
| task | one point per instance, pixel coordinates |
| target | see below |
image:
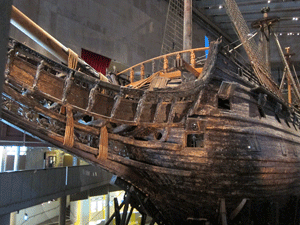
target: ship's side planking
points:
(222, 136)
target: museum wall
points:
(127, 31)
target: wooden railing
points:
(161, 63)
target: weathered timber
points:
(184, 66)
(149, 167)
(69, 130)
(103, 143)
(195, 143)
(147, 144)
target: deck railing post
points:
(166, 63)
(142, 72)
(131, 75)
(193, 59)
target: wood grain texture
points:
(182, 144)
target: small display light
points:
(25, 216)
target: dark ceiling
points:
(213, 13)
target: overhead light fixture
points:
(25, 217)
(220, 7)
(280, 34)
(298, 33)
(295, 18)
(269, 1)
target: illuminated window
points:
(93, 206)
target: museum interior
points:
(150, 112)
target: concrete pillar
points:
(62, 210)
(5, 219)
(5, 7)
(107, 212)
(3, 161)
(17, 159)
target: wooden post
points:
(142, 72)
(166, 63)
(187, 28)
(131, 75)
(193, 59)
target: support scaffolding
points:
(133, 199)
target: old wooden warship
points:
(196, 141)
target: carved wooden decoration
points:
(69, 131)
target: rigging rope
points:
(254, 54)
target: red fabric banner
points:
(98, 62)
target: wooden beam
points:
(146, 144)
(43, 38)
(187, 27)
(184, 66)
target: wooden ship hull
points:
(221, 138)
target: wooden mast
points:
(43, 38)
(265, 28)
(187, 28)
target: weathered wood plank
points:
(146, 144)
(103, 144)
(145, 166)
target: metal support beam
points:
(4, 27)
(129, 216)
(223, 212)
(114, 214)
(126, 202)
(117, 211)
(62, 210)
(138, 201)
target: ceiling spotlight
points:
(25, 217)
(298, 33)
(220, 7)
(295, 18)
(280, 34)
(269, 1)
